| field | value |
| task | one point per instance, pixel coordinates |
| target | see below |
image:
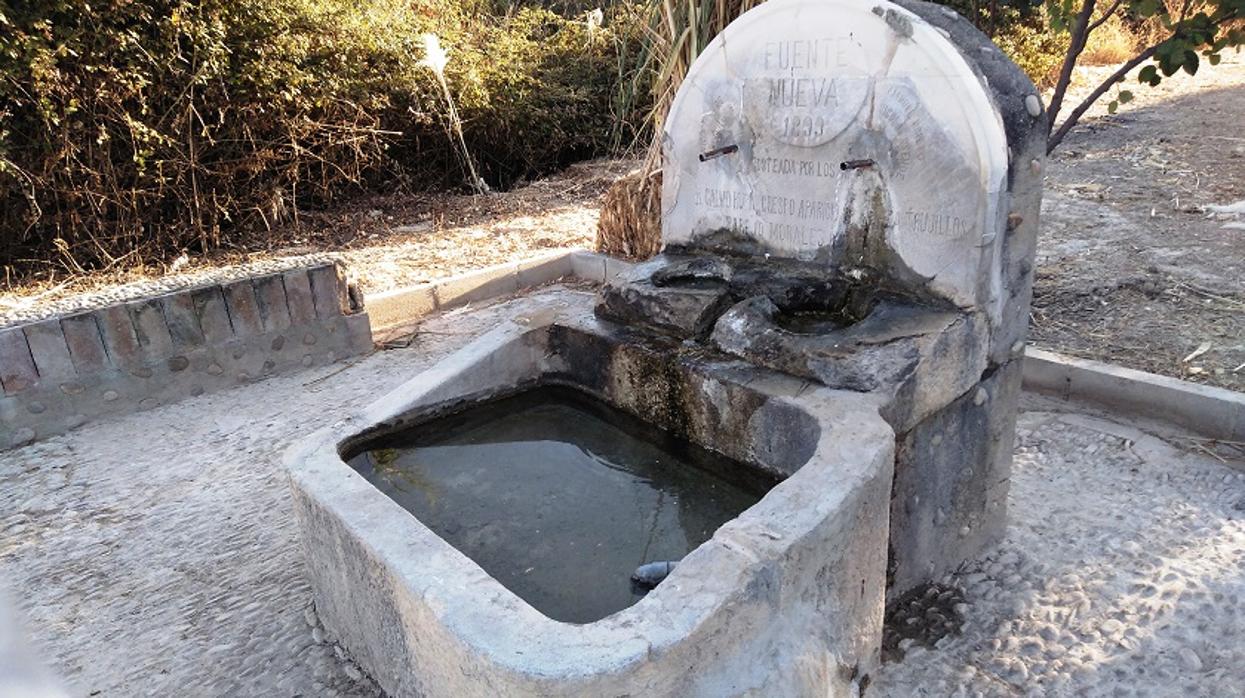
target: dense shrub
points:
(144, 127)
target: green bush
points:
(132, 128)
(1034, 46)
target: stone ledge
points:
(59, 373)
(1213, 412)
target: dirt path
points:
(1131, 269)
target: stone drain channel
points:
(175, 568)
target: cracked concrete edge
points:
(1216, 413)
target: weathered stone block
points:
(85, 343)
(243, 308)
(270, 295)
(329, 291)
(120, 339)
(17, 367)
(213, 316)
(951, 473)
(358, 334)
(50, 350)
(154, 338)
(682, 313)
(298, 297)
(183, 322)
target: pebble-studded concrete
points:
(155, 554)
(1122, 574)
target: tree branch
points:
(1105, 16)
(1080, 32)
(1084, 106)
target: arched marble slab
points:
(799, 87)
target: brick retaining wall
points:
(62, 372)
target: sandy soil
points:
(1131, 267)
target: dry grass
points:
(677, 32)
(630, 221)
(1111, 44)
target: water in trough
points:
(559, 496)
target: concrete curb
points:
(405, 306)
(1212, 412)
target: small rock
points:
(1189, 659)
(1033, 105)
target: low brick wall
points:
(62, 372)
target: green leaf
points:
(1125, 96)
(1214, 58)
(1148, 74)
(1190, 64)
(1112, 106)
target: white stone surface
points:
(800, 87)
(156, 554)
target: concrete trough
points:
(785, 599)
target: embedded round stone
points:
(143, 372)
(110, 395)
(196, 390)
(309, 339)
(148, 403)
(278, 343)
(74, 421)
(23, 436)
(215, 369)
(178, 363)
(239, 352)
(307, 359)
(981, 397)
(36, 407)
(1033, 105)
(269, 365)
(244, 377)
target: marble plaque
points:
(757, 138)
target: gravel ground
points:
(155, 554)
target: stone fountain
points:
(850, 201)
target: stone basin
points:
(785, 599)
